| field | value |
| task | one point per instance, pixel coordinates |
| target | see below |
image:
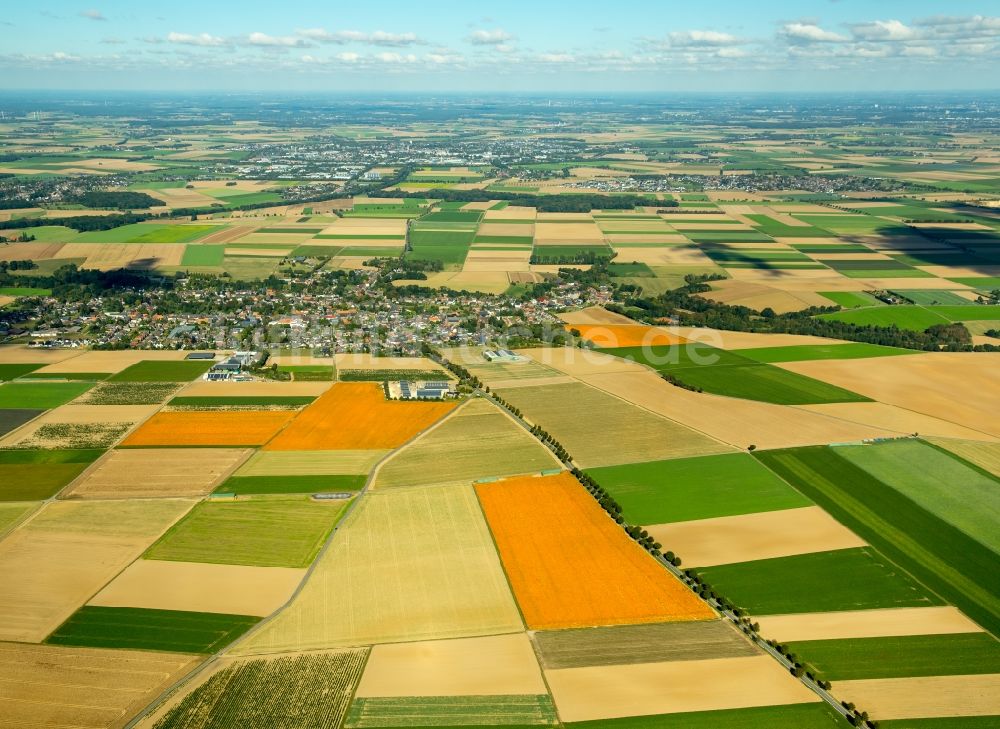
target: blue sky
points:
(509, 45)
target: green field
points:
(805, 352)
(286, 692)
(154, 370)
(916, 318)
(962, 495)
(147, 233)
(291, 484)
(11, 371)
(240, 401)
(792, 716)
(452, 216)
(951, 722)
(265, 532)
(449, 246)
(40, 395)
(75, 376)
(683, 489)
(845, 579)
(203, 255)
(33, 475)
(562, 253)
(24, 291)
(901, 656)
(143, 629)
(311, 373)
(986, 283)
(729, 373)
(932, 297)
(947, 560)
(451, 711)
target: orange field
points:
(246, 428)
(570, 565)
(624, 335)
(356, 416)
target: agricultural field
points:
(567, 412)
(460, 711)
(301, 690)
(434, 548)
(476, 441)
(281, 531)
(129, 393)
(216, 428)
(613, 582)
(144, 629)
(162, 371)
(49, 686)
(375, 423)
(27, 475)
(40, 395)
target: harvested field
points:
(982, 454)
(607, 692)
(653, 643)
(310, 463)
(746, 537)
(685, 489)
(929, 697)
(46, 433)
(477, 441)
(374, 422)
(435, 552)
(538, 523)
(565, 411)
(22, 354)
(495, 665)
(867, 624)
(86, 688)
(227, 388)
(228, 234)
(213, 428)
(198, 587)
(895, 419)
(595, 315)
(302, 691)
(66, 553)
(730, 420)
(951, 386)
(790, 716)
(143, 629)
(141, 473)
(109, 361)
(614, 335)
(260, 532)
(12, 513)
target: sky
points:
(512, 46)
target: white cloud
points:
(495, 37)
(348, 57)
(377, 38)
(703, 38)
(273, 41)
(92, 14)
(883, 30)
(920, 51)
(556, 58)
(188, 39)
(811, 33)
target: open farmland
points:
(145, 629)
(374, 422)
(67, 552)
(13, 418)
(682, 489)
(608, 692)
(27, 474)
(209, 428)
(519, 710)
(537, 523)
(12, 513)
(845, 579)
(649, 643)
(986, 455)
(949, 699)
(165, 472)
(944, 620)
(283, 692)
(129, 393)
(40, 395)
(200, 587)
(51, 687)
(477, 441)
(264, 532)
(434, 549)
(495, 665)
(162, 371)
(310, 463)
(784, 716)
(568, 411)
(943, 557)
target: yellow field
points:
(431, 573)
